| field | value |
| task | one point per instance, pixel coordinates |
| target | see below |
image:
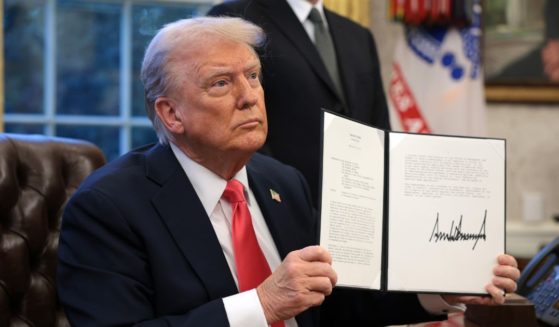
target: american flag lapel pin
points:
(275, 196)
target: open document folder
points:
(411, 212)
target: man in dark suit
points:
(297, 82)
(156, 238)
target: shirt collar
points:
(302, 8)
(208, 186)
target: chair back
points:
(38, 174)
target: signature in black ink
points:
(455, 234)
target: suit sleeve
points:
(103, 274)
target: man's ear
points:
(169, 115)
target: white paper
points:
(352, 200)
(447, 212)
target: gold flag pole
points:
(356, 10)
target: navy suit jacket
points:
(137, 248)
(297, 84)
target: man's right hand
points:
(303, 280)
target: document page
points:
(352, 200)
(447, 212)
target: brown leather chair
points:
(37, 176)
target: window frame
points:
(125, 120)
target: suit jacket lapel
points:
(187, 222)
(275, 214)
(287, 22)
(271, 209)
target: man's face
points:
(220, 99)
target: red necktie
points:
(252, 267)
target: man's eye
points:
(220, 83)
(254, 75)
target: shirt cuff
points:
(244, 310)
(436, 305)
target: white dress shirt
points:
(302, 9)
(243, 309)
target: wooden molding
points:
(525, 94)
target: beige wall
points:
(532, 132)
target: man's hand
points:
(506, 274)
(303, 280)
(550, 59)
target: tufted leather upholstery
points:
(37, 176)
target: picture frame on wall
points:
(521, 50)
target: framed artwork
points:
(521, 50)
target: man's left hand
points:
(506, 274)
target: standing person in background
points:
(301, 75)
